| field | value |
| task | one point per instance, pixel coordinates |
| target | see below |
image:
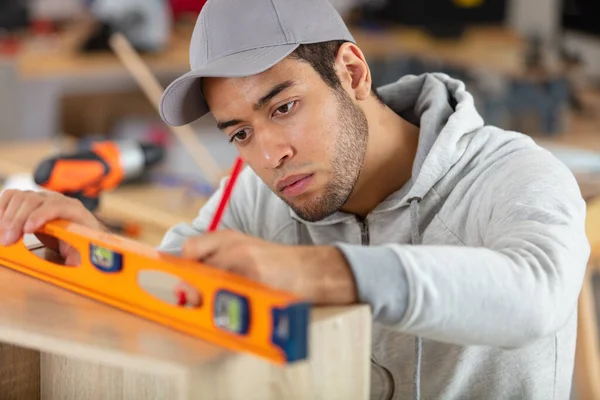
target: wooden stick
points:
(587, 358)
(153, 90)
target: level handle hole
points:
(169, 288)
(56, 251)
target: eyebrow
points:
(227, 124)
(275, 90)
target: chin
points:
(319, 202)
(313, 215)
(312, 208)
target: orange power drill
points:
(103, 166)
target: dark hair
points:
(321, 56)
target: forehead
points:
(227, 93)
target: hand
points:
(24, 212)
(319, 274)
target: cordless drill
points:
(103, 166)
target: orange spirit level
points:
(236, 313)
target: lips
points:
(290, 180)
(294, 185)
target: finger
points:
(232, 261)
(28, 203)
(186, 294)
(70, 254)
(11, 201)
(11, 204)
(204, 246)
(15, 216)
(72, 258)
(7, 195)
(52, 209)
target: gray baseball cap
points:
(235, 38)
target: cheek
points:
(266, 175)
(312, 132)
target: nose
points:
(274, 148)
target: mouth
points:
(295, 185)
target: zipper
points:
(364, 231)
(365, 239)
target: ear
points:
(353, 71)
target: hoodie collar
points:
(445, 113)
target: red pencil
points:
(237, 168)
(214, 224)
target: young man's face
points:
(303, 139)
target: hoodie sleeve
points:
(235, 216)
(523, 283)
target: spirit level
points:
(236, 313)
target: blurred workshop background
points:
(68, 86)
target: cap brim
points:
(182, 101)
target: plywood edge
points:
(322, 314)
(49, 345)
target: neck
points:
(389, 157)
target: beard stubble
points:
(346, 162)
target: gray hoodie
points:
(472, 269)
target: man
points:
(467, 241)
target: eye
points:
(286, 108)
(239, 136)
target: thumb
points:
(70, 254)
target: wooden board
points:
(91, 381)
(90, 350)
(592, 227)
(587, 356)
(19, 373)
